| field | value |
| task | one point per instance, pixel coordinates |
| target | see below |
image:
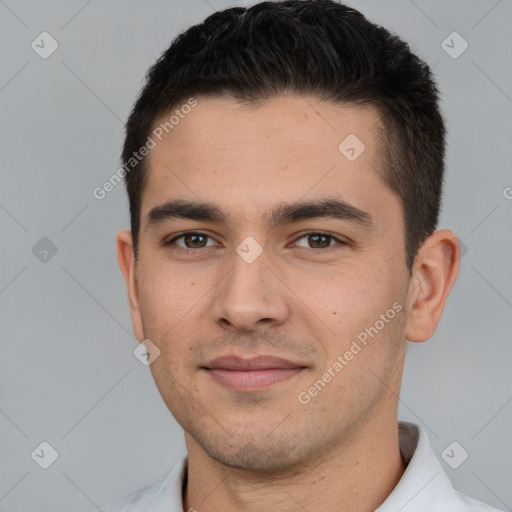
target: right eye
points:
(190, 240)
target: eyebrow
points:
(281, 214)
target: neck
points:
(356, 476)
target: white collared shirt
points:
(424, 486)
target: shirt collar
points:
(423, 486)
(424, 480)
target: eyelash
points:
(171, 242)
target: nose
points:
(251, 296)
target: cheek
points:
(166, 299)
(349, 303)
(176, 305)
(341, 298)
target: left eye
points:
(318, 241)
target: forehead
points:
(250, 157)
(229, 127)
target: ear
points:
(126, 259)
(435, 269)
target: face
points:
(296, 252)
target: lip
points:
(262, 362)
(251, 374)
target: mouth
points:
(251, 374)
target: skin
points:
(304, 298)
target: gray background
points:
(68, 375)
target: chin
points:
(254, 453)
(251, 458)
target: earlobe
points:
(435, 271)
(126, 260)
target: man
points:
(284, 166)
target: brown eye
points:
(318, 241)
(194, 241)
(190, 240)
